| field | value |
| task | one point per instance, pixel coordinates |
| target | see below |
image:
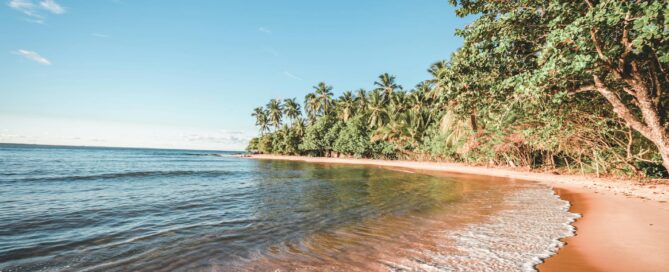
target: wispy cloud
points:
(32, 55)
(264, 30)
(288, 74)
(52, 6)
(33, 9)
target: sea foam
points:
(517, 238)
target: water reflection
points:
(148, 210)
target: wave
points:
(133, 174)
(515, 239)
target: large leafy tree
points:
(353, 138)
(555, 50)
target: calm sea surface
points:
(114, 209)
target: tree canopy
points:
(542, 84)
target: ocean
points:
(126, 209)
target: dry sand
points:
(624, 224)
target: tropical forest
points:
(572, 86)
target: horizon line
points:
(117, 147)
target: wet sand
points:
(624, 225)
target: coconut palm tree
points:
(361, 100)
(376, 109)
(261, 119)
(439, 80)
(275, 113)
(386, 85)
(324, 96)
(291, 109)
(299, 127)
(398, 103)
(311, 107)
(346, 104)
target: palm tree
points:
(311, 107)
(361, 99)
(439, 72)
(299, 127)
(261, 119)
(324, 97)
(346, 105)
(386, 85)
(398, 103)
(376, 110)
(291, 108)
(275, 112)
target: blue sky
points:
(186, 74)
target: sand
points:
(624, 224)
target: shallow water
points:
(109, 209)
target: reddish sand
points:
(624, 225)
(616, 233)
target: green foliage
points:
(315, 141)
(540, 84)
(354, 139)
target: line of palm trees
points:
(392, 114)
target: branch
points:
(598, 47)
(586, 88)
(625, 40)
(621, 110)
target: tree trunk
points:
(650, 126)
(472, 122)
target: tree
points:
(346, 106)
(353, 138)
(275, 113)
(261, 119)
(311, 107)
(291, 109)
(555, 49)
(361, 100)
(323, 94)
(314, 141)
(386, 85)
(299, 127)
(376, 109)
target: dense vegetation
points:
(579, 85)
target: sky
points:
(187, 73)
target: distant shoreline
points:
(622, 220)
(117, 147)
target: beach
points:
(624, 224)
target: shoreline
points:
(624, 224)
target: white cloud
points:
(264, 30)
(32, 9)
(52, 6)
(32, 55)
(288, 74)
(21, 4)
